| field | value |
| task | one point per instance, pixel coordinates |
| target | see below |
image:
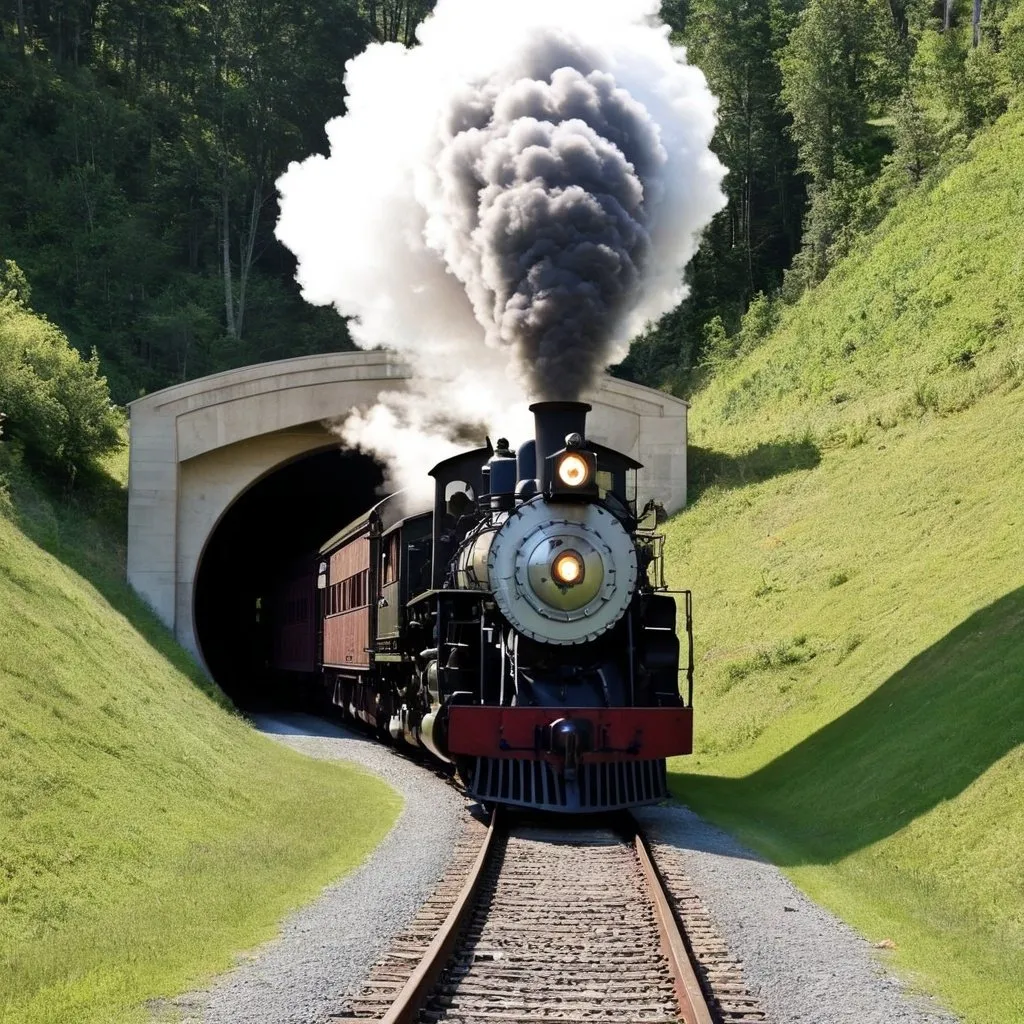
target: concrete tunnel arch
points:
(197, 448)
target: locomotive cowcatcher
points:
(520, 629)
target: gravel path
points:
(326, 949)
(806, 965)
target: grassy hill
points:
(856, 551)
(148, 832)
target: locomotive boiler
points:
(520, 629)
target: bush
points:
(719, 346)
(760, 319)
(57, 405)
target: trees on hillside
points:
(735, 43)
(395, 21)
(829, 111)
(149, 136)
(841, 67)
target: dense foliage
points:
(143, 141)
(55, 404)
(830, 110)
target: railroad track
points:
(551, 923)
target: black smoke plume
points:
(507, 203)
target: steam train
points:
(520, 629)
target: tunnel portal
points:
(197, 449)
(261, 541)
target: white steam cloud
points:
(506, 205)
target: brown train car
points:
(346, 604)
(365, 575)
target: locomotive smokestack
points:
(553, 422)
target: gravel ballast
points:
(806, 966)
(326, 949)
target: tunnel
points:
(267, 536)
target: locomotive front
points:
(554, 665)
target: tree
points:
(840, 66)
(674, 14)
(149, 134)
(395, 21)
(734, 43)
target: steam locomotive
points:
(521, 629)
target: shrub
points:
(57, 404)
(760, 319)
(719, 346)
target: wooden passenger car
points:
(366, 575)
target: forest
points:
(141, 140)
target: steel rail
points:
(414, 995)
(421, 987)
(692, 1002)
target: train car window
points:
(390, 555)
(605, 483)
(455, 487)
(351, 593)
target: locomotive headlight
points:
(568, 569)
(573, 470)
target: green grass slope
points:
(147, 832)
(856, 551)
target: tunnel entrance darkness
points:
(259, 543)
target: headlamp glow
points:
(567, 569)
(573, 471)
